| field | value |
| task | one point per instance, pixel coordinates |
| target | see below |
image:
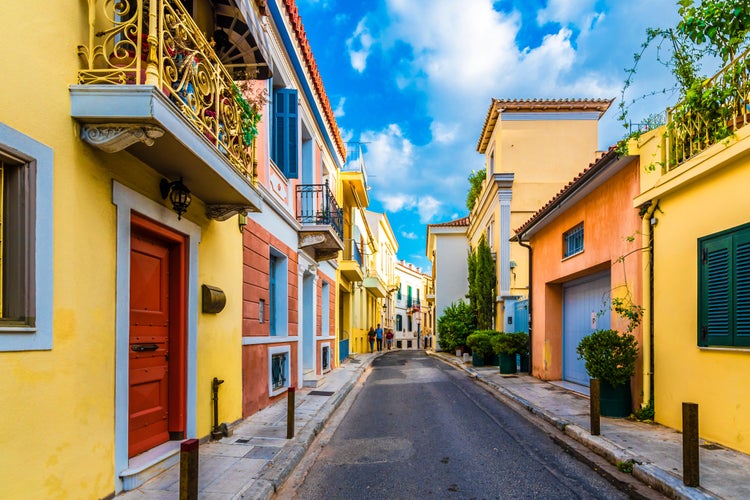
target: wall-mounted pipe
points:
(647, 280)
(219, 430)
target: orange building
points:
(585, 249)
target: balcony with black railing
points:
(321, 235)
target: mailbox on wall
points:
(214, 299)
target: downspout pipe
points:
(648, 300)
(527, 246)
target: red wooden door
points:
(149, 342)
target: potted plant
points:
(481, 346)
(610, 357)
(505, 346)
(521, 341)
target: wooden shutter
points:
(285, 132)
(742, 289)
(714, 291)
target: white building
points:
(410, 326)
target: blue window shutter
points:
(285, 136)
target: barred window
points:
(573, 241)
(279, 371)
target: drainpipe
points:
(648, 300)
(527, 246)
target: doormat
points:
(321, 393)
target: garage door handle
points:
(144, 347)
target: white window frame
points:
(330, 356)
(34, 154)
(287, 369)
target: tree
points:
(476, 180)
(457, 322)
(482, 282)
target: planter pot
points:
(615, 401)
(491, 360)
(507, 363)
(467, 357)
(459, 352)
(477, 360)
(525, 361)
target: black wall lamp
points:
(178, 194)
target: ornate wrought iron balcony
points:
(149, 72)
(322, 221)
(709, 114)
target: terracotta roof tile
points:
(463, 221)
(312, 68)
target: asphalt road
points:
(420, 429)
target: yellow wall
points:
(715, 378)
(57, 418)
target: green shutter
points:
(742, 289)
(285, 134)
(714, 290)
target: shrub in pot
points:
(481, 347)
(505, 347)
(456, 323)
(610, 357)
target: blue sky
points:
(413, 80)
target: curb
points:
(276, 472)
(647, 473)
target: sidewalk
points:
(655, 449)
(257, 456)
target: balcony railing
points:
(352, 252)
(156, 42)
(317, 206)
(710, 114)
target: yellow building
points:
(354, 320)
(696, 190)
(532, 148)
(381, 281)
(126, 176)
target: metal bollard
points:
(189, 470)
(690, 442)
(595, 410)
(290, 413)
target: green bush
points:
(511, 343)
(455, 325)
(609, 355)
(480, 342)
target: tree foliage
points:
(482, 283)
(476, 180)
(457, 322)
(712, 28)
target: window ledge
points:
(742, 349)
(571, 256)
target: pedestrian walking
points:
(389, 339)
(379, 337)
(371, 338)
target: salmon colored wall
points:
(609, 220)
(257, 242)
(255, 372)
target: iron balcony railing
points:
(709, 115)
(316, 205)
(157, 42)
(352, 252)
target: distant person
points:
(379, 337)
(371, 338)
(389, 339)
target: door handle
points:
(144, 347)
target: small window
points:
(399, 323)
(724, 288)
(573, 241)
(277, 293)
(278, 379)
(284, 150)
(325, 358)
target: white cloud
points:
(339, 111)
(359, 46)
(410, 235)
(428, 207)
(566, 12)
(444, 133)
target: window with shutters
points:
(284, 149)
(724, 288)
(25, 242)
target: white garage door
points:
(586, 308)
